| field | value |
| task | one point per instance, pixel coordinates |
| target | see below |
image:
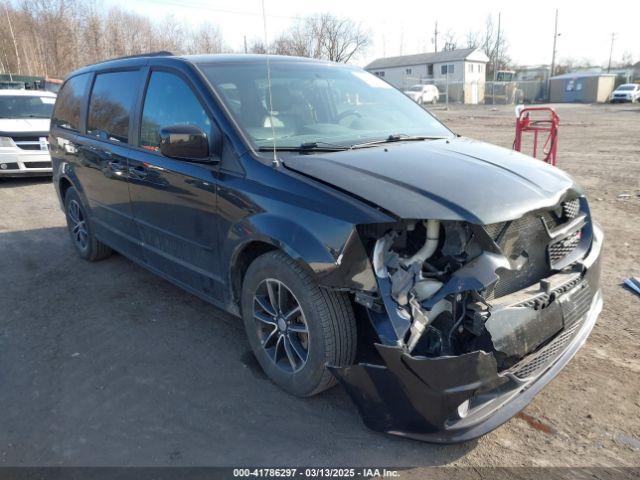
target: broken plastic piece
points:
(633, 284)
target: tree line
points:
(54, 37)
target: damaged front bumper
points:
(457, 398)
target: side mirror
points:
(184, 142)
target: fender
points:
(65, 172)
(322, 251)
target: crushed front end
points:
(471, 321)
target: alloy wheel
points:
(79, 231)
(281, 325)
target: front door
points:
(102, 159)
(474, 93)
(174, 201)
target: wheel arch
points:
(243, 257)
(317, 252)
(64, 184)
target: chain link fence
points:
(481, 92)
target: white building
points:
(462, 70)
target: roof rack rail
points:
(161, 53)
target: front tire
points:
(80, 230)
(295, 327)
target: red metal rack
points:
(533, 119)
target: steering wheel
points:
(348, 113)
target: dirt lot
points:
(105, 364)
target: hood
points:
(459, 179)
(24, 125)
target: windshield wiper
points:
(308, 147)
(397, 137)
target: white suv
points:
(628, 92)
(423, 93)
(24, 129)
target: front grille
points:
(571, 209)
(525, 242)
(559, 250)
(575, 311)
(29, 143)
(28, 146)
(26, 138)
(522, 241)
(37, 164)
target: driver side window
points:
(169, 101)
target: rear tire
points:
(80, 229)
(294, 360)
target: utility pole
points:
(553, 55)
(613, 36)
(497, 50)
(245, 44)
(435, 38)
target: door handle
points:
(116, 165)
(139, 171)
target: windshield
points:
(316, 103)
(416, 88)
(26, 106)
(626, 88)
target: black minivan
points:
(440, 280)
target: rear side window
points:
(69, 103)
(111, 104)
(169, 101)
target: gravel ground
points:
(105, 364)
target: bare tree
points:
(256, 46)
(323, 36)
(297, 41)
(337, 39)
(450, 42)
(493, 43)
(570, 64)
(626, 61)
(54, 37)
(207, 39)
(170, 35)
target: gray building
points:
(586, 87)
(463, 70)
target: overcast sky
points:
(406, 26)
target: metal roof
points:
(421, 58)
(583, 75)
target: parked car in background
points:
(423, 94)
(628, 92)
(9, 85)
(442, 281)
(24, 131)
